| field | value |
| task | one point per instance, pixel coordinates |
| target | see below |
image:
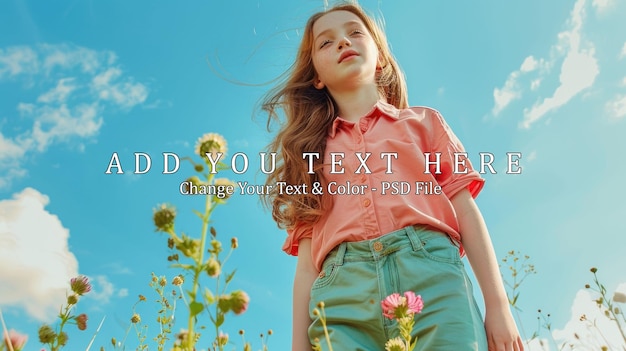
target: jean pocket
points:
(439, 247)
(326, 276)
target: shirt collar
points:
(381, 107)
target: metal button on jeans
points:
(378, 246)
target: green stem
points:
(208, 209)
(56, 344)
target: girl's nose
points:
(344, 42)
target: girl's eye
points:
(324, 43)
(356, 31)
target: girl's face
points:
(344, 53)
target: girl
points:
(345, 101)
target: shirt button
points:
(366, 202)
(378, 246)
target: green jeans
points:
(357, 276)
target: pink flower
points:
(391, 303)
(414, 302)
(80, 285)
(16, 340)
(396, 306)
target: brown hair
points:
(309, 115)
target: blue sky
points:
(82, 80)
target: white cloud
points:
(58, 124)
(602, 5)
(590, 324)
(578, 70)
(512, 89)
(70, 107)
(59, 93)
(17, 60)
(616, 108)
(622, 53)
(125, 94)
(529, 64)
(101, 289)
(68, 56)
(11, 153)
(535, 84)
(505, 95)
(35, 261)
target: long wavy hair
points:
(309, 113)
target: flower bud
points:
(46, 334)
(222, 339)
(81, 321)
(14, 340)
(239, 301)
(135, 318)
(62, 338)
(216, 245)
(72, 299)
(213, 268)
(234, 243)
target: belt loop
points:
(411, 232)
(341, 252)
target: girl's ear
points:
(318, 84)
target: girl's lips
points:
(347, 54)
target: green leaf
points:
(220, 320)
(208, 296)
(199, 214)
(191, 294)
(195, 308)
(230, 276)
(183, 266)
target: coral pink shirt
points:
(369, 213)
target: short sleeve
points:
(456, 170)
(294, 235)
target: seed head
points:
(178, 280)
(135, 318)
(163, 218)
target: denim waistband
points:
(374, 249)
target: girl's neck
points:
(356, 103)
